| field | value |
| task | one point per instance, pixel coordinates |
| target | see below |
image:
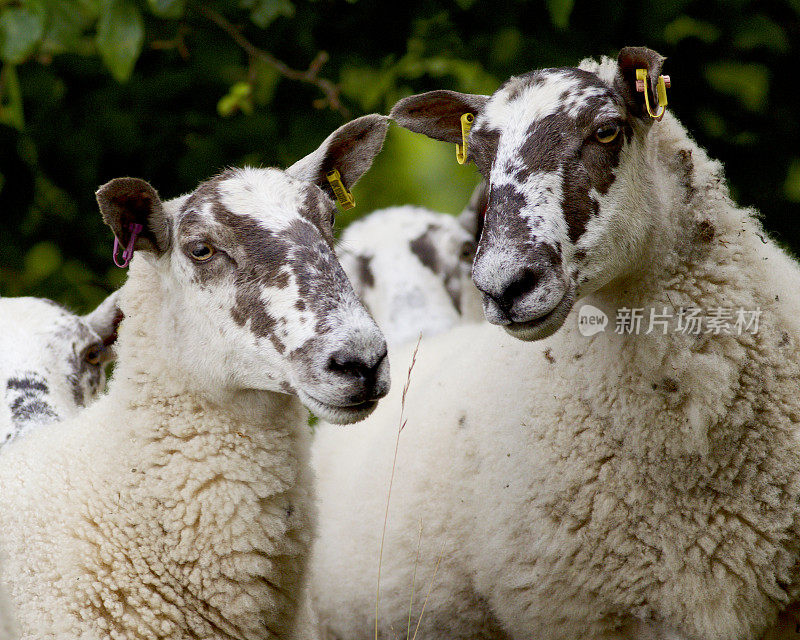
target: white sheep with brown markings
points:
(180, 504)
(52, 362)
(614, 485)
(410, 266)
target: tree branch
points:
(309, 76)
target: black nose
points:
(357, 367)
(515, 285)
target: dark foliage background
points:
(173, 91)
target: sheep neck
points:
(704, 253)
(214, 486)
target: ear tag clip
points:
(661, 92)
(343, 196)
(127, 254)
(461, 149)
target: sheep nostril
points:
(356, 367)
(522, 285)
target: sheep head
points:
(569, 190)
(254, 296)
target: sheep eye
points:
(93, 354)
(201, 251)
(607, 133)
(468, 251)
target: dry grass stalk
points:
(391, 480)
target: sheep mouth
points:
(546, 325)
(335, 413)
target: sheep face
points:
(411, 268)
(254, 295)
(53, 362)
(563, 153)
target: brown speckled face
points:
(551, 145)
(254, 296)
(266, 239)
(52, 363)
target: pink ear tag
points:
(127, 254)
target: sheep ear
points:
(350, 150)
(437, 114)
(474, 214)
(124, 201)
(628, 61)
(105, 319)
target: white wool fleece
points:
(6, 619)
(612, 486)
(157, 513)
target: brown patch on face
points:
(504, 214)
(559, 141)
(543, 147)
(425, 250)
(562, 142)
(259, 255)
(365, 274)
(548, 355)
(577, 204)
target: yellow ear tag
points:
(343, 196)
(461, 149)
(661, 92)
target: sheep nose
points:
(363, 371)
(514, 286)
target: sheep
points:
(52, 362)
(179, 504)
(579, 478)
(410, 266)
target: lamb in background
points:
(179, 504)
(52, 362)
(615, 485)
(411, 266)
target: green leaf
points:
(506, 45)
(759, 31)
(66, 27)
(11, 106)
(265, 12)
(560, 10)
(21, 29)
(792, 185)
(120, 35)
(239, 98)
(749, 83)
(167, 8)
(42, 260)
(685, 27)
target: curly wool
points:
(603, 487)
(159, 512)
(6, 620)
